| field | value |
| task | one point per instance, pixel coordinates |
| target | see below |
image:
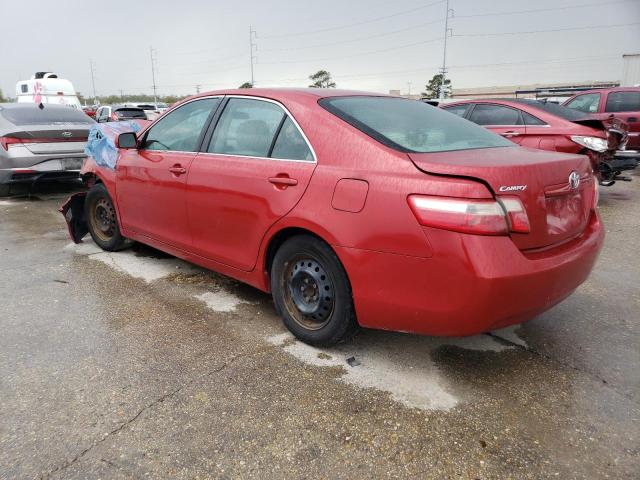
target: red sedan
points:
(352, 209)
(549, 126)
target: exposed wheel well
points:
(281, 237)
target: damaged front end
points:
(73, 212)
(611, 160)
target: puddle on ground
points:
(400, 365)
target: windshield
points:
(410, 125)
(32, 115)
(558, 110)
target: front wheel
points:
(102, 220)
(311, 292)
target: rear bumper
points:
(472, 283)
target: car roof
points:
(291, 93)
(608, 90)
(29, 105)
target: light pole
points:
(447, 31)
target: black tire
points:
(311, 292)
(102, 220)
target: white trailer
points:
(47, 88)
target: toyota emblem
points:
(574, 180)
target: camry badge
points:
(574, 180)
(66, 134)
(513, 188)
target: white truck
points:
(47, 88)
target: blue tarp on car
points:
(101, 144)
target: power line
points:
(355, 24)
(368, 37)
(536, 10)
(355, 55)
(590, 27)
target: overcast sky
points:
(371, 45)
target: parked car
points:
(90, 110)
(621, 102)
(549, 126)
(36, 143)
(352, 209)
(116, 113)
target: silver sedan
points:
(40, 143)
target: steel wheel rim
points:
(103, 219)
(309, 294)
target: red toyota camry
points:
(352, 209)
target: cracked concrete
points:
(106, 373)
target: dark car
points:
(40, 143)
(116, 113)
(549, 126)
(621, 102)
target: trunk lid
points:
(540, 179)
(47, 140)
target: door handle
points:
(510, 134)
(285, 181)
(177, 169)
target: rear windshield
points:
(558, 110)
(130, 113)
(32, 115)
(411, 126)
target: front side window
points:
(484, 114)
(411, 126)
(623, 102)
(585, 103)
(180, 130)
(246, 127)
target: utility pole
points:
(198, 88)
(447, 32)
(122, 95)
(252, 48)
(153, 74)
(409, 88)
(93, 82)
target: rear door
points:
(253, 170)
(500, 119)
(626, 106)
(151, 181)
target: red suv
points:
(352, 209)
(623, 103)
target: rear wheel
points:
(102, 220)
(311, 292)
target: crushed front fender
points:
(73, 212)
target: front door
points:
(252, 172)
(151, 181)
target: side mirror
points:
(127, 140)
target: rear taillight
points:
(480, 217)
(6, 141)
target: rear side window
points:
(180, 129)
(130, 113)
(247, 127)
(32, 115)
(530, 119)
(411, 126)
(585, 103)
(623, 102)
(483, 114)
(459, 110)
(290, 144)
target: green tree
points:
(322, 79)
(2, 97)
(434, 86)
(246, 85)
